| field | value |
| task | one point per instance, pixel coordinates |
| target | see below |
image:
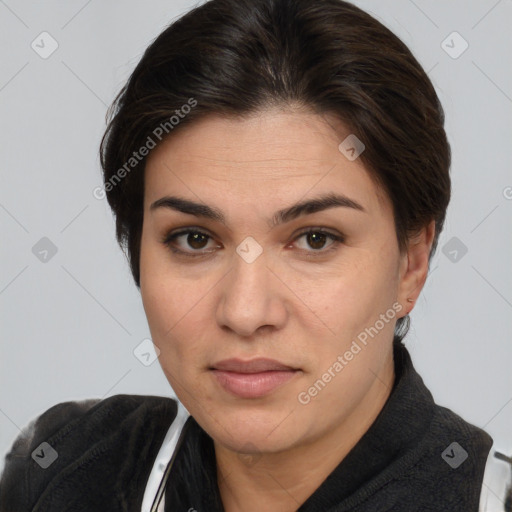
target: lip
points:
(260, 364)
(252, 379)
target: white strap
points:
(162, 459)
(496, 476)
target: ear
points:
(414, 267)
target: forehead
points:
(282, 153)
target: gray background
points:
(70, 324)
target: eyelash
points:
(170, 237)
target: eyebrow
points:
(300, 209)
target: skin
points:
(295, 303)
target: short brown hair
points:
(237, 57)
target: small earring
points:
(410, 300)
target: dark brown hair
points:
(237, 57)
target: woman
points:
(279, 174)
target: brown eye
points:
(316, 240)
(190, 242)
(197, 240)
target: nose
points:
(251, 299)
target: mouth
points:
(252, 379)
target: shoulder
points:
(464, 444)
(62, 420)
(450, 463)
(442, 456)
(462, 453)
(71, 431)
(442, 469)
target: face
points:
(270, 276)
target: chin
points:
(265, 430)
(253, 440)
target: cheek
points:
(358, 338)
(175, 316)
(172, 305)
(375, 277)
(356, 292)
(175, 321)
(349, 303)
